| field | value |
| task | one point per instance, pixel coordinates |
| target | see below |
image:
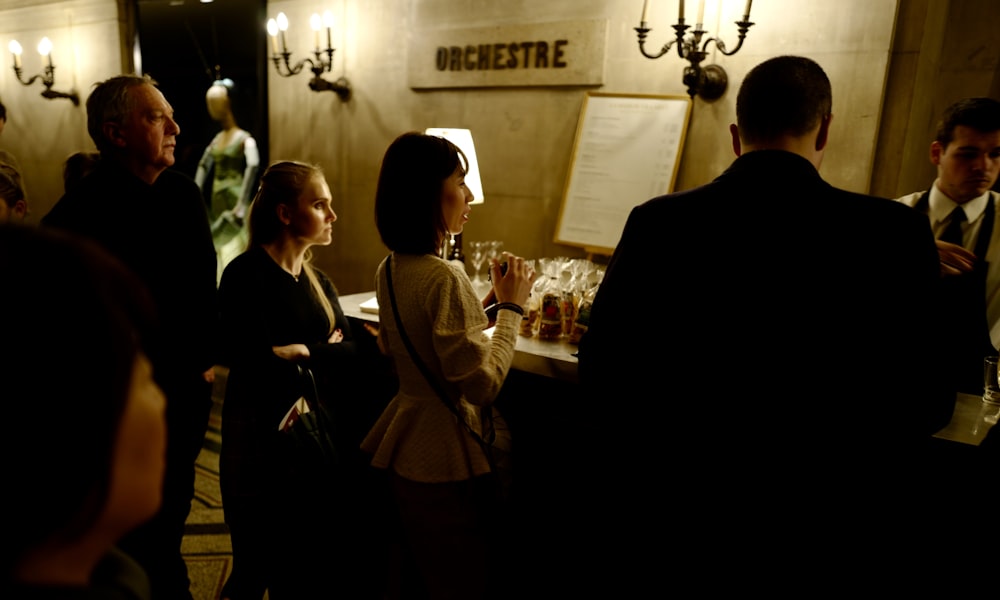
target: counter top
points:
(555, 359)
(970, 421)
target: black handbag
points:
(498, 458)
(310, 426)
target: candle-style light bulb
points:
(746, 11)
(701, 14)
(680, 11)
(272, 30)
(16, 50)
(283, 27)
(328, 23)
(45, 49)
(645, 9)
(315, 23)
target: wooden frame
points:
(627, 150)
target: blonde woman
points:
(279, 312)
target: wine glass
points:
(477, 254)
(493, 250)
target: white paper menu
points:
(627, 150)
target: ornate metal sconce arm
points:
(48, 78)
(743, 27)
(642, 31)
(341, 87)
(71, 96)
(45, 78)
(285, 58)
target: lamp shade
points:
(463, 139)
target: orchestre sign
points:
(627, 150)
(540, 54)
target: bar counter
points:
(555, 362)
(552, 359)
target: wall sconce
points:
(708, 82)
(48, 76)
(318, 66)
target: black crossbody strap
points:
(438, 388)
(311, 394)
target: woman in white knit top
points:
(439, 474)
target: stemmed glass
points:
(477, 254)
(493, 250)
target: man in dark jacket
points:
(760, 359)
(153, 219)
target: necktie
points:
(953, 232)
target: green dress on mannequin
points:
(232, 159)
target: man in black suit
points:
(760, 360)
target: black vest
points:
(968, 331)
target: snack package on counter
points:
(569, 300)
(550, 317)
(582, 320)
(529, 324)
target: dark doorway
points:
(181, 42)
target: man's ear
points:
(113, 132)
(823, 136)
(937, 150)
(734, 131)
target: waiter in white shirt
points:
(964, 215)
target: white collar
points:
(940, 206)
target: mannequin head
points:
(217, 100)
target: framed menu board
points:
(627, 150)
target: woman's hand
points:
(515, 285)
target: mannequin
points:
(232, 159)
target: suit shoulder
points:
(878, 205)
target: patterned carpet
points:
(206, 546)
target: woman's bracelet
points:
(511, 306)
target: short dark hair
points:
(110, 102)
(66, 378)
(981, 114)
(785, 95)
(408, 212)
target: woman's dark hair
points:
(408, 198)
(75, 321)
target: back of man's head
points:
(981, 114)
(782, 96)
